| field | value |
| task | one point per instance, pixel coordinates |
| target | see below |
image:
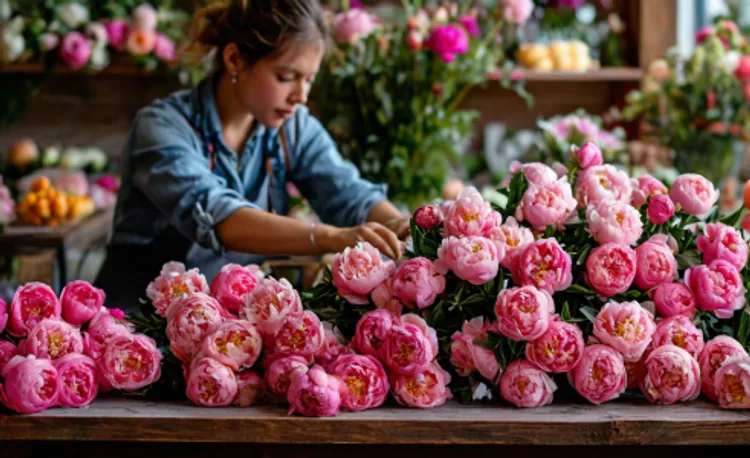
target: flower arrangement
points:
(699, 105)
(390, 92)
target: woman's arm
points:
(386, 214)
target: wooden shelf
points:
(36, 68)
(607, 74)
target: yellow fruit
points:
(578, 48)
(60, 207)
(40, 184)
(544, 65)
(42, 208)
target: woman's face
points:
(272, 88)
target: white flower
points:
(730, 61)
(100, 55)
(12, 44)
(5, 10)
(72, 14)
(49, 41)
(96, 31)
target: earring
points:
(234, 79)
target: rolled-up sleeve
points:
(332, 186)
(170, 169)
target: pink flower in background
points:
(384, 298)
(52, 338)
(468, 356)
(164, 48)
(77, 380)
(414, 40)
(694, 193)
(235, 343)
(117, 33)
(474, 259)
(742, 72)
(269, 303)
(3, 315)
(704, 32)
(656, 265)
(732, 383)
(536, 173)
(314, 394)
(717, 351)
(49, 41)
(7, 352)
(299, 334)
(745, 224)
(233, 284)
(602, 182)
(353, 25)
(625, 326)
(75, 50)
(680, 331)
(546, 265)
(211, 384)
(141, 42)
(586, 156)
(611, 268)
(644, 187)
(30, 385)
(517, 11)
(559, 349)
(447, 41)
(189, 321)
(468, 215)
(31, 303)
(144, 17)
(600, 376)
(523, 313)
(416, 282)
(174, 283)
(359, 270)
(428, 217)
(551, 204)
(672, 299)
(108, 182)
(510, 238)
(424, 390)
(720, 241)
(130, 362)
(364, 384)
(80, 302)
(408, 350)
(660, 209)
(280, 373)
(372, 330)
(717, 287)
(524, 385)
(250, 388)
(613, 221)
(672, 375)
(469, 23)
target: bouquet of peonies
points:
(63, 352)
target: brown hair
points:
(259, 28)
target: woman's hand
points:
(335, 239)
(400, 226)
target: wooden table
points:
(120, 427)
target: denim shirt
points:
(170, 178)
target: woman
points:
(205, 170)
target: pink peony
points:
(428, 217)
(7, 352)
(3, 315)
(211, 384)
(712, 357)
(353, 25)
(416, 282)
(233, 284)
(280, 373)
(408, 349)
(600, 376)
(551, 204)
(524, 385)
(52, 338)
(174, 283)
(31, 303)
(745, 224)
(613, 221)
(372, 331)
(546, 265)
(679, 331)
(250, 388)
(468, 215)
(469, 23)
(742, 72)
(602, 182)
(31, 385)
(269, 303)
(189, 321)
(673, 299)
(473, 258)
(75, 50)
(511, 239)
(423, 390)
(384, 298)
(235, 343)
(359, 270)
(467, 356)
(447, 41)
(144, 17)
(314, 394)
(536, 173)
(611, 268)
(117, 33)
(141, 42)
(77, 377)
(588, 155)
(704, 32)
(644, 187)
(672, 375)
(80, 302)
(655, 265)
(717, 287)
(720, 241)
(102, 328)
(732, 383)
(130, 362)
(627, 327)
(694, 193)
(299, 334)
(660, 209)
(517, 11)
(559, 349)
(331, 350)
(364, 384)
(523, 313)
(668, 240)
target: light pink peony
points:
(473, 258)
(80, 302)
(233, 284)
(660, 209)
(280, 373)
(353, 25)
(655, 265)
(468, 215)
(600, 376)
(694, 193)
(269, 303)
(428, 217)
(625, 326)
(359, 270)
(189, 321)
(31, 303)
(211, 384)
(408, 349)
(3, 315)
(544, 264)
(732, 383)
(551, 204)
(536, 173)
(372, 331)
(364, 384)
(611, 268)
(174, 283)
(52, 338)
(717, 287)
(314, 394)
(164, 48)
(130, 362)
(102, 328)
(602, 182)
(235, 343)
(680, 331)
(416, 282)
(712, 357)
(644, 187)
(250, 388)
(511, 239)
(517, 11)
(31, 385)
(467, 356)
(614, 221)
(75, 50)
(141, 42)
(720, 241)
(524, 385)
(668, 240)
(559, 349)
(77, 377)
(423, 390)
(331, 350)
(7, 352)
(447, 41)
(672, 375)
(299, 334)
(523, 313)
(588, 155)
(384, 298)
(673, 299)
(144, 17)
(117, 33)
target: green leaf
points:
(589, 312)
(578, 289)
